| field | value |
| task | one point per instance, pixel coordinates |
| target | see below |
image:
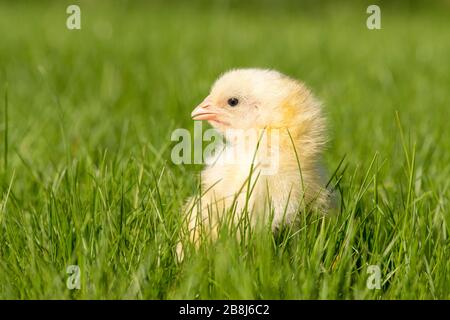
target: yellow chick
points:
(275, 176)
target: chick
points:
(268, 102)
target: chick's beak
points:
(204, 111)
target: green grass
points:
(86, 176)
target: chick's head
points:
(252, 99)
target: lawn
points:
(86, 177)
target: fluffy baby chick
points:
(268, 102)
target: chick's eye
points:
(232, 102)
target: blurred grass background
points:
(88, 178)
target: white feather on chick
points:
(265, 100)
